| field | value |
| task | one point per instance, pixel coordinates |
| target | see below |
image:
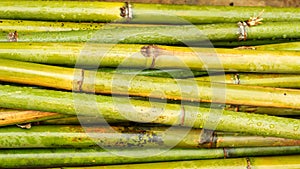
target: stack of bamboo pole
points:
(87, 84)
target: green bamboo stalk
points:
(143, 111)
(89, 55)
(191, 35)
(268, 80)
(174, 89)
(279, 162)
(10, 117)
(142, 13)
(70, 136)
(40, 75)
(41, 26)
(89, 157)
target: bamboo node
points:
(126, 11)
(242, 30)
(151, 51)
(206, 137)
(78, 82)
(13, 36)
(248, 163)
(253, 21)
(236, 79)
(182, 115)
(225, 153)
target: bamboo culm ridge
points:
(36, 158)
(124, 84)
(75, 136)
(144, 111)
(142, 13)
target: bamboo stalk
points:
(134, 56)
(175, 89)
(191, 35)
(88, 157)
(142, 13)
(10, 117)
(279, 162)
(41, 75)
(70, 136)
(267, 80)
(143, 111)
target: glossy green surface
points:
(190, 35)
(130, 56)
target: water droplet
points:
(272, 126)
(259, 124)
